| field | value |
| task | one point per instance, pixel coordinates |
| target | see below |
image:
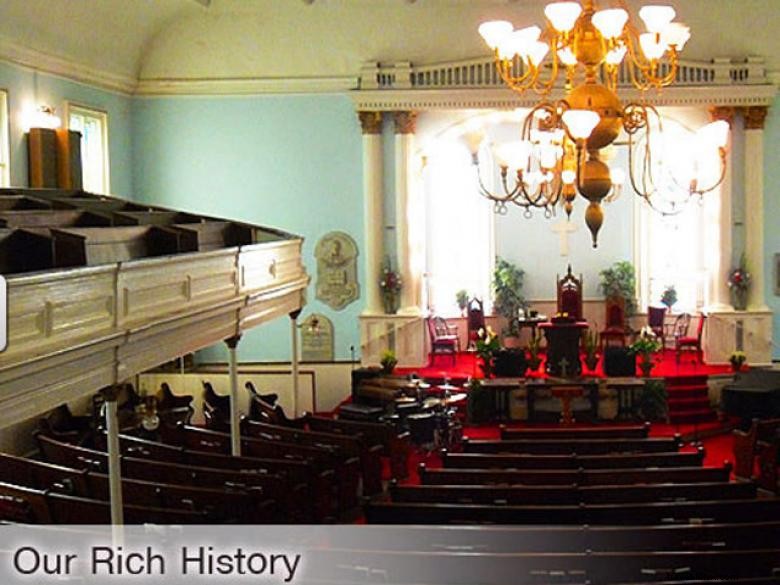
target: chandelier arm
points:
(648, 67)
(546, 87)
(518, 84)
(641, 192)
(721, 176)
(486, 193)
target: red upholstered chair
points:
(476, 320)
(614, 332)
(444, 339)
(684, 342)
(655, 320)
(570, 295)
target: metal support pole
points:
(235, 421)
(295, 377)
(114, 465)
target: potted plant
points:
(388, 361)
(479, 405)
(619, 281)
(737, 359)
(739, 283)
(669, 297)
(487, 346)
(508, 298)
(645, 346)
(462, 298)
(534, 344)
(652, 405)
(390, 283)
(590, 344)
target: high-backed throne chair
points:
(475, 319)
(570, 295)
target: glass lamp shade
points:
(713, 135)
(616, 55)
(652, 46)
(518, 42)
(567, 57)
(610, 22)
(568, 177)
(618, 176)
(563, 15)
(580, 123)
(537, 52)
(473, 140)
(656, 17)
(495, 30)
(514, 154)
(676, 34)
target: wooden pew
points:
(23, 504)
(349, 445)
(613, 461)
(578, 446)
(646, 513)
(397, 446)
(24, 251)
(90, 246)
(746, 444)
(347, 469)
(596, 432)
(73, 510)
(459, 568)
(44, 476)
(316, 489)
(768, 462)
(275, 486)
(571, 495)
(580, 477)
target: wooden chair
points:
(216, 407)
(444, 339)
(570, 295)
(476, 320)
(655, 320)
(264, 407)
(172, 408)
(614, 332)
(685, 342)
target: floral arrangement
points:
(739, 282)
(737, 359)
(462, 298)
(488, 345)
(388, 361)
(669, 298)
(645, 346)
(391, 284)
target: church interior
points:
(508, 267)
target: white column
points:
(404, 140)
(373, 208)
(720, 297)
(235, 421)
(294, 361)
(114, 465)
(754, 204)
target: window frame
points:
(72, 107)
(5, 140)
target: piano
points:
(754, 394)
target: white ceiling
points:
(183, 39)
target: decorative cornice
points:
(405, 122)
(23, 56)
(370, 122)
(754, 117)
(245, 86)
(725, 113)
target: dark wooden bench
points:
(612, 461)
(566, 495)
(41, 475)
(596, 432)
(581, 477)
(746, 444)
(397, 445)
(578, 446)
(74, 510)
(768, 462)
(456, 568)
(349, 445)
(714, 511)
(23, 504)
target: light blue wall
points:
(291, 162)
(26, 88)
(772, 214)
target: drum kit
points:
(430, 414)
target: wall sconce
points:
(41, 117)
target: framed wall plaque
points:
(337, 284)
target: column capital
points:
(370, 122)
(725, 113)
(232, 342)
(295, 314)
(755, 116)
(405, 122)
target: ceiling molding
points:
(23, 56)
(506, 99)
(246, 86)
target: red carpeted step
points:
(691, 416)
(688, 402)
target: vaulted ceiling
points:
(218, 39)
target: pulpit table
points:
(563, 347)
(565, 394)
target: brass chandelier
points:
(560, 151)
